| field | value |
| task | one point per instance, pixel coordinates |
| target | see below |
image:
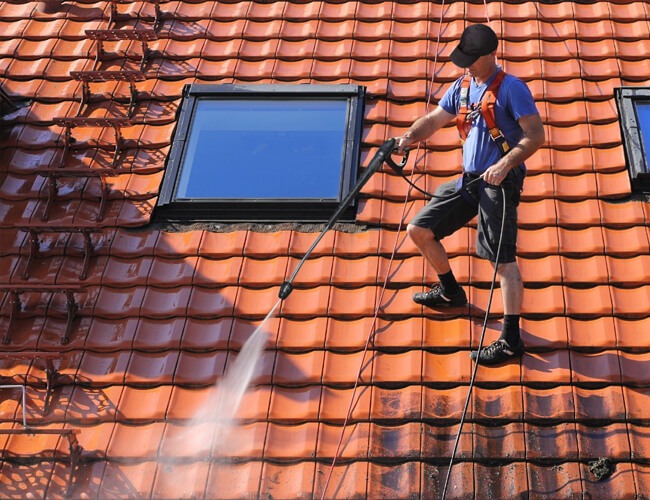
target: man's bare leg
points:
(432, 250)
(449, 293)
(509, 344)
(512, 288)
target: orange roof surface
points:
(121, 330)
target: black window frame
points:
(637, 158)
(264, 210)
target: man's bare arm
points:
(424, 127)
(531, 141)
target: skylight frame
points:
(637, 153)
(172, 207)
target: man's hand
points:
(403, 142)
(531, 141)
(495, 174)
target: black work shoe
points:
(437, 298)
(497, 352)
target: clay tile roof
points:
(123, 332)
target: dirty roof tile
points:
(632, 368)
(549, 479)
(287, 480)
(233, 480)
(599, 404)
(611, 441)
(436, 442)
(538, 402)
(635, 400)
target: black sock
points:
(510, 332)
(448, 282)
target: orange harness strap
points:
(466, 116)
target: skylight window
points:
(263, 152)
(634, 109)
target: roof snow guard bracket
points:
(142, 35)
(88, 77)
(15, 291)
(50, 371)
(116, 123)
(116, 16)
(69, 434)
(35, 251)
(52, 174)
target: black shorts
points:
(447, 216)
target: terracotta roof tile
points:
(629, 50)
(231, 481)
(111, 335)
(627, 301)
(599, 404)
(583, 365)
(625, 332)
(635, 399)
(538, 214)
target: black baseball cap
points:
(477, 40)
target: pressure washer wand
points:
(382, 154)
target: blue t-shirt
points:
(514, 100)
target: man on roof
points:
(500, 127)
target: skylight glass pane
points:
(643, 116)
(265, 149)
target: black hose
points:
(399, 169)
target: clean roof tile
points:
(592, 334)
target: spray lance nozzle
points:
(382, 155)
(285, 290)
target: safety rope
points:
(371, 333)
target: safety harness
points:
(466, 115)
